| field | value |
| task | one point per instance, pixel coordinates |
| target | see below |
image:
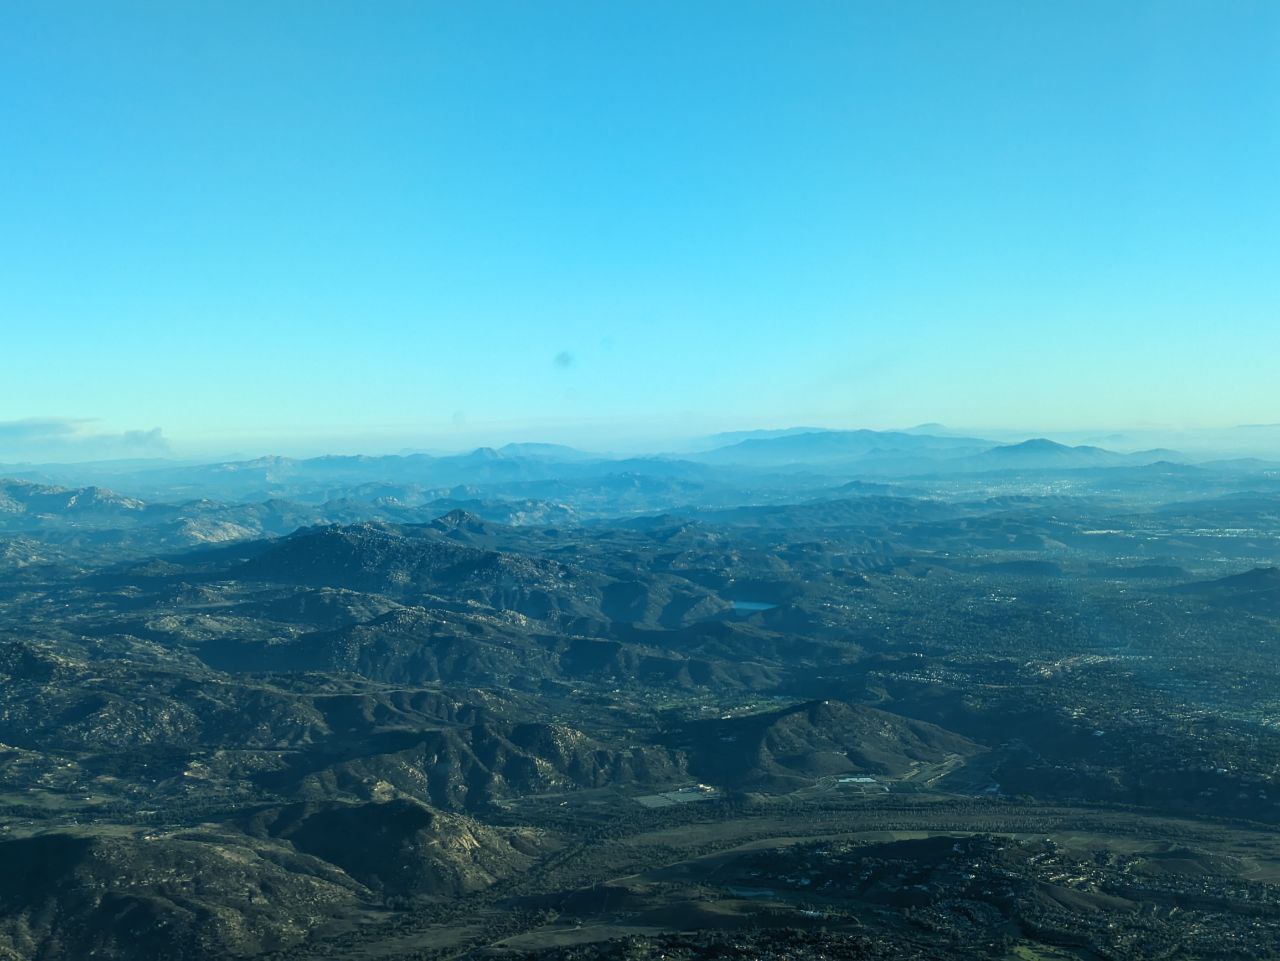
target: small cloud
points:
(563, 359)
(153, 439)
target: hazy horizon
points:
(52, 441)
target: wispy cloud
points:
(74, 438)
(40, 428)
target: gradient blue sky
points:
(298, 225)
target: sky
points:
(309, 225)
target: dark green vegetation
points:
(532, 707)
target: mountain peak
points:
(459, 519)
(1035, 444)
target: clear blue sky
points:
(292, 225)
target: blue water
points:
(752, 606)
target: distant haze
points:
(47, 442)
(242, 228)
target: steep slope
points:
(469, 768)
(66, 897)
(402, 847)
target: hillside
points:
(401, 847)
(816, 739)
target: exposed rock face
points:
(402, 847)
(70, 897)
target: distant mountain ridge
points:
(913, 453)
(831, 445)
(1039, 453)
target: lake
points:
(752, 606)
